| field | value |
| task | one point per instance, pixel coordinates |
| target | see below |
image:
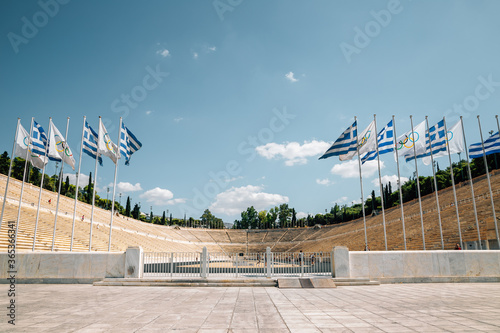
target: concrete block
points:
(133, 262)
(341, 261)
(323, 283)
(289, 283)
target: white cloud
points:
(237, 199)
(128, 187)
(326, 182)
(149, 112)
(163, 52)
(393, 179)
(176, 201)
(350, 169)
(301, 215)
(340, 200)
(211, 49)
(157, 196)
(178, 119)
(195, 55)
(290, 77)
(292, 152)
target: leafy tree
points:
(127, 207)
(284, 215)
(136, 212)
(163, 219)
(263, 219)
(4, 163)
(294, 218)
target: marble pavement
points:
(431, 307)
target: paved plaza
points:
(385, 308)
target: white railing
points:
(266, 264)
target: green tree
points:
(284, 215)
(136, 212)
(4, 163)
(163, 219)
(127, 207)
(294, 218)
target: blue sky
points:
(234, 101)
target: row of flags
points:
(42, 147)
(421, 142)
(38, 147)
(416, 143)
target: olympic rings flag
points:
(105, 146)
(23, 142)
(405, 143)
(59, 148)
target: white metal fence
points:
(266, 264)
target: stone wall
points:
(62, 267)
(420, 266)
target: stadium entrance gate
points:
(266, 264)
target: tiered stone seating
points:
(129, 232)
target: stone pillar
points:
(204, 263)
(268, 261)
(134, 265)
(341, 262)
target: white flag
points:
(23, 142)
(105, 146)
(59, 148)
(366, 142)
(405, 143)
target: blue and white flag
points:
(345, 144)
(435, 142)
(39, 139)
(366, 143)
(24, 146)
(90, 142)
(128, 143)
(491, 146)
(385, 143)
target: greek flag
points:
(345, 144)
(128, 143)
(385, 143)
(39, 139)
(25, 146)
(491, 146)
(435, 139)
(90, 142)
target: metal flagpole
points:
(489, 181)
(399, 181)
(453, 184)
(41, 187)
(418, 182)
(361, 184)
(60, 184)
(380, 181)
(10, 170)
(93, 191)
(114, 184)
(76, 187)
(22, 186)
(435, 184)
(471, 185)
